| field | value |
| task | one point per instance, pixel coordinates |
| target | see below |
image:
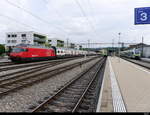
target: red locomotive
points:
(31, 53)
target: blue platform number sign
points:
(142, 15)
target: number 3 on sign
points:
(144, 16)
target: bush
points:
(2, 49)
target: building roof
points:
(27, 32)
(55, 39)
(138, 45)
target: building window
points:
(49, 41)
(23, 35)
(8, 36)
(8, 41)
(14, 41)
(14, 35)
(23, 41)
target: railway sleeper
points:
(68, 104)
(65, 100)
(56, 109)
(84, 107)
(75, 87)
(58, 103)
(61, 105)
(71, 91)
(3, 90)
(33, 106)
(71, 95)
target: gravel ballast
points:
(24, 99)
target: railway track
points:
(11, 66)
(3, 64)
(23, 80)
(39, 67)
(78, 95)
(138, 62)
(6, 63)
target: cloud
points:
(64, 19)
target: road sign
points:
(142, 15)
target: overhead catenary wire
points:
(22, 24)
(84, 14)
(56, 11)
(91, 8)
(32, 14)
(18, 22)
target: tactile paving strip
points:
(118, 102)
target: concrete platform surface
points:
(134, 84)
(105, 103)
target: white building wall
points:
(19, 39)
(146, 52)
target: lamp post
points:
(119, 44)
(67, 43)
(88, 47)
(113, 51)
(142, 46)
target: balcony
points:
(39, 40)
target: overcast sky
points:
(78, 20)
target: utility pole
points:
(88, 46)
(142, 45)
(67, 42)
(113, 51)
(119, 45)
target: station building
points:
(144, 47)
(30, 37)
(146, 51)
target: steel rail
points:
(141, 63)
(12, 67)
(86, 90)
(38, 108)
(6, 63)
(32, 79)
(37, 68)
(15, 75)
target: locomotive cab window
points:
(137, 52)
(17, 50)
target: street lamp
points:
(67, 42)
(119, 44)
(142, 46)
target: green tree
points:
(2, 49)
